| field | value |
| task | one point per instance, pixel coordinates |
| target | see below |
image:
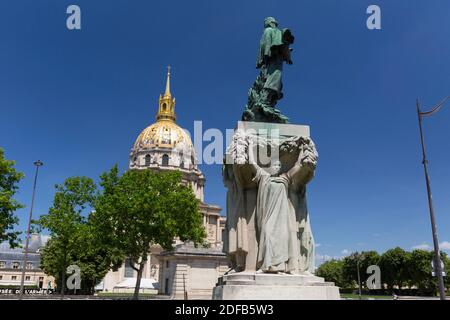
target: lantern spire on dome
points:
(166, 110)
(167, 93)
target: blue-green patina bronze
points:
(267, 89)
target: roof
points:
(10, 255)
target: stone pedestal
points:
(265, 286)
(268, 166)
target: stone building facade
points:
(11, 266)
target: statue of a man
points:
(267, 89)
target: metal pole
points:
(437, 258)
(359, 277)
(63, 276)
(25, 260)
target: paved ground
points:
(78, 297)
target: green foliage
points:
(420, 270)
(446, 260)
(71, 199)
(332, 271)
(131, 213)
(9, 178)
(399, 269)
(142, 208)
(358, 260)
(74, 240)
(52, 259)
(395, 265)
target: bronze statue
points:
(267, 89)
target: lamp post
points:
(25, 260)
(358, 258)
(437, 258)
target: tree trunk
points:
(63, 282)
(138, 280)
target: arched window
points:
(129, 271)
(165, 160)
(147, 160)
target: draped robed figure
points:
(276, 198)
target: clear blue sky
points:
(78, 99)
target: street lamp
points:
(358, 258)
(25, 260)
(437, 258)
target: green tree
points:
(65, 222)
(94, 257)
(394, 265)
(420, 271)
(446, 261)
(9, 178)
(93, 260)
(142, 208)
(52, 260)
(360, 261)
(332, 270)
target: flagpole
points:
(437, 258)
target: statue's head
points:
(270, 22)
(275, 168)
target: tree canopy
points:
(399, 269)
(97, 228)
(9, 179)
(142, 208)
(73, 240)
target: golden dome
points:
(164, 133)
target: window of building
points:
(2, 264)
(167, 264)
(129, 271)
(16, 265)
(1, 277)
(166, 286)
(147, 160)
(13, 277)
(29, 265)
(27, 278)
(165, 160)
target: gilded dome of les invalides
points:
(164, 146)
(164, 133)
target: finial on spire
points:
(166, 110)
(167, 93)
